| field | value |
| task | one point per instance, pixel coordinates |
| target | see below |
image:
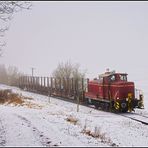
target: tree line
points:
(67, 70)
(10, 75)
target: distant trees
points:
(7, 9)
(10, 75)
(13, 75)
(68, 70)
(69, 77)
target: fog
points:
(97, 35)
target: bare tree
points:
(7, 10)
(68, 75)
(63, 70)
(13, 75)
(10, 75)
(68, 70)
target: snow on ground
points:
(47, 125)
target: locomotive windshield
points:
(112, 78)
(123, 77)
(117, 77)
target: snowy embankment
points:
(57, 123)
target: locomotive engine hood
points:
(122, 89)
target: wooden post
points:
(82, 89)
(48, 90)
(64, 81)
(48, 83)
(44, 81)
(77, 94)
(41, 83)
(38, 83)
(44, 87)
(28, 83)
(68, 87)
(72, 88)
(51, 87)
(20, 81)
(60, 87)
(78, 103)
(33, 83)
(55, 84)
(23, 82)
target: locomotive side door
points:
(107, 86)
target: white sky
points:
(97, 35)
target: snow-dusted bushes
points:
(72, 119)
(98, 134)
(15, 99)
(8, 96)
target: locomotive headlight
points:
(117, 98)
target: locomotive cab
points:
(113, 90)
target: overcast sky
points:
(97, 35)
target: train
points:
(111, 91)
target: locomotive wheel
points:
(102, 106)
(106, 107)
(96, 106)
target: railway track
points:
(136, 117)
(142, 115)
(133, 116)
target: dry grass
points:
(16, 101)
(32, 105)
(9, 97)
(98, 135)
(28, 98)
(57, 113)
(72, 119)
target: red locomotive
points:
(113, 92)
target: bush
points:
(72, 119)
(8, 96)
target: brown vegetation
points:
(9, 97)
(98, 134)
(72, 119)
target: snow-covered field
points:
(46, 124)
